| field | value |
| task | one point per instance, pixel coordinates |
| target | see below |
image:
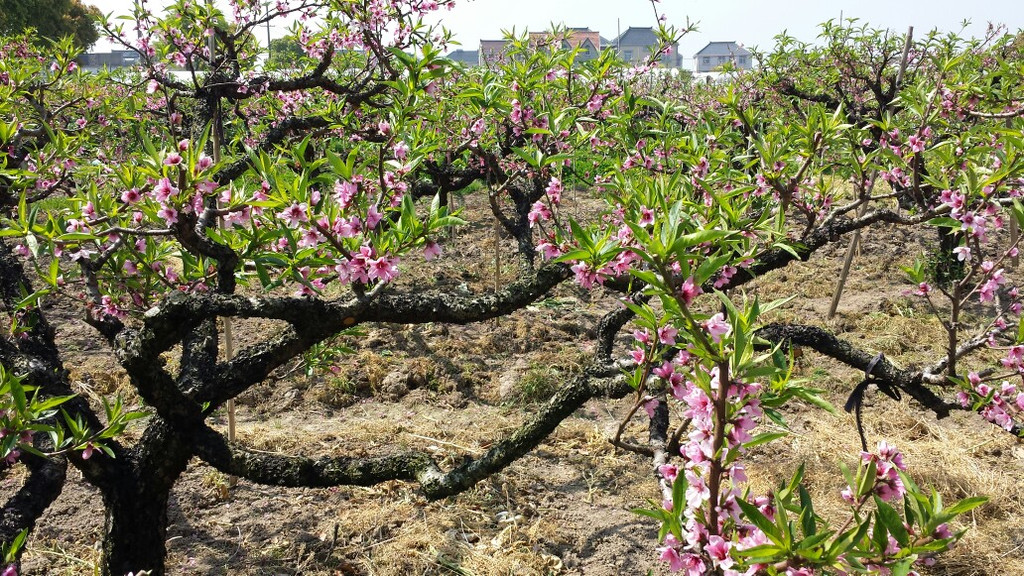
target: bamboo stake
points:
(229, 340)
(1014, 228)
(853, 247)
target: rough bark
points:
(135, 532)
(828, 344)
(280, 470)
(911, 382)
(44, 484)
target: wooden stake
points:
(1014, 228)
(229, 340)
(853, 248)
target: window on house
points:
(627, 55)
(743, 60)
(721, 59)
(705, 60)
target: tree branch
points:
(280, 470)
(828, 344)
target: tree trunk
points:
(948, 269)
(135, 532)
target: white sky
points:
(749, 22)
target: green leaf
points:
(892, 521)
(679, 491)
(50, 403)
(867, 482)
(750, 512)
(764, 438)
(879, 535)
(966, 505)
(658, 515)
(944, 222)
(763, 554)
(808, 521)
(902, 567)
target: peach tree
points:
(203, 188)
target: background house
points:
(712, 57)
(636, 44)
(112, 59)
(583, 39)
(467, 57)
(492, 51)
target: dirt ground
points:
(565, 508)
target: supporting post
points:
(229, 340)
(855, 241)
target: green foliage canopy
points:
(52, 19)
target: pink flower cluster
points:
(973, 222)
(1002, 406)
(708, 548)
(887, 485)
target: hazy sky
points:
(749, 22)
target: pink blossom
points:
(669, 472)
(539, 212)
(670, 553)
(725, 276)
(638, 355)
(131, 196)
(718, 549)
(173, 159)
(717, 327)
(646, 216)
(693, 564)
(585, 275)
(164, 190)
(401, 150)
(697, 490)
(963, 253)
(382, 269)
(294, 214)
(667, 335)
(310, 238)
(666, 371)
(168, 213)
(554, 190)
(689, 290)
(987, 292)
(207, 187)
(87, 453)
(548, 250)
(373, 217)
(431, 250)
(344, 192)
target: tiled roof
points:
(465, 56)
(722, 49)
(636, 37)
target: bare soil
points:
(565, 508)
